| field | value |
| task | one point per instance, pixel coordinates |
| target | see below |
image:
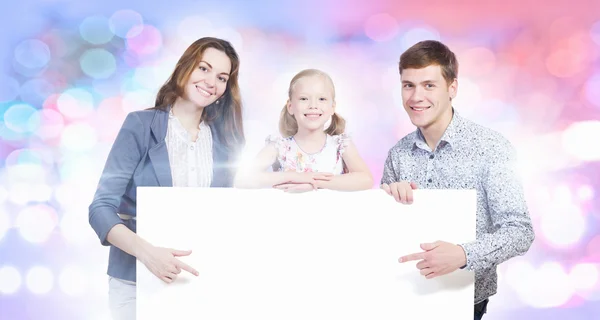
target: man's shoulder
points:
(487, 136)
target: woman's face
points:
(208, 81)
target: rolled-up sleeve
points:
(508, 213)
(122, 160)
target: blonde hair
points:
(288, 126)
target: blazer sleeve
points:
(121, 163)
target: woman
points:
(191, 138)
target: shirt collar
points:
(449, 137)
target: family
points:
(193, 136)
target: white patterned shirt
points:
(191, 161)
(470, 156)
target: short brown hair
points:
(226, 115)
(431, 52)
(288, 126)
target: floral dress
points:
(290, 157)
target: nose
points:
(418, 94)
(210, 81)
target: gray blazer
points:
(139, 158)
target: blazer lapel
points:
(158, 153)
(221, 172)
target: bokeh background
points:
(71, 70)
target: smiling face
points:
(426, 96)
(208, 81)
(311, 102)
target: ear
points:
(453, 88)
(289, 108)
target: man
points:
(450, 152)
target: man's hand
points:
(439, 258)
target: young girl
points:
(307, 156)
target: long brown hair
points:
(288, 126)
(226, 115)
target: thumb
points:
(181, 253)
(413, 185)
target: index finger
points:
(412, 257)
(187, 268)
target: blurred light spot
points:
(4, 222)
(21, 118)
(232, 36)
(39, 280)
(95, 30)
(146, 42)
(381, 27)
(147, 78)
(138, 100)
(412, 36)
(564, 63)
(23, 157)
(36, 223)
(73, 281)
(35, 91)
(78, 137)
(468, 98)
(584, 276)
(592, 93)
(193, 28)
(575, 140)
(75, 103)
(585, 193)
(595, 32)
(32, 54)
(563, 227)
(10, 280)
(51, 126)
(9, 89)
(518, 273)
(71, 230)
(477, 62)
(126, 23)
(552, 293)
(98, 63)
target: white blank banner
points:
(269, 255)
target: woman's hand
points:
(163, 262)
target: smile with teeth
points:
(312, 115)
(420, 108)
(203, 92)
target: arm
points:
(358, 178)
(255, 174)
(509, 215)
(122, 160)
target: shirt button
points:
(430, 181)
(431, 156)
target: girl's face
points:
(311, 102)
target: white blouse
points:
(191, 161)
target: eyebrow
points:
(210, 66)
(422, 82)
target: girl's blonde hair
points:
(288, 126)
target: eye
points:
(223, 79)
(323, 99)
(303, 99)
(407, 85)
(430, 86)
(203, 69)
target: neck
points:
(434, 132)
(188, 113)
(310, 141)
